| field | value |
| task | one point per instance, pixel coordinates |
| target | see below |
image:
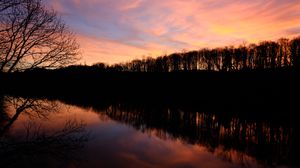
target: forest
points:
(252, 76)
(265, 55)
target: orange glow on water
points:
(157, 148)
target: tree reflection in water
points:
(36, 146)
(233, 138)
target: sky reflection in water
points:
(122, 142)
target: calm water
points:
(42, 133)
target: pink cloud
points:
(108, 51)
(126, 29)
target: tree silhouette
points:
(175, 61)
(284, 53)
(266, 54)
(33, 37)
(227, 57)
(295, 51)
(261, 55)
(5, 4)
(273, 50)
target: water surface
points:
(37, 132)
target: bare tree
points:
(37, 146)
(32, 36)
(5, 4)
(295, 51)
(29, 106)
(284, 52)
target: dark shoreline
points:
(265, 102)
(252, 91)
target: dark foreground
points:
(196, 119)
(266, 89)
(93, 133)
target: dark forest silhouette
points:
(34, 36)
(262, 73)
(257, 74)
(266, 54)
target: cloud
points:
(293, 31)
(155, 26)
(109, 51)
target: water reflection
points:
(13, 107)
(142, 135)
(229, 137)
(34, 145)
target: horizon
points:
(148, 83)
(120, 31)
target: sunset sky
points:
(113, 31)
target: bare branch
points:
(33, 37)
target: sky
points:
(116, 31)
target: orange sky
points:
(113, 31)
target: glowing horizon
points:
(121, 30)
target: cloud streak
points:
(121, 30)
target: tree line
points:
(34, 36)
(266, 54)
